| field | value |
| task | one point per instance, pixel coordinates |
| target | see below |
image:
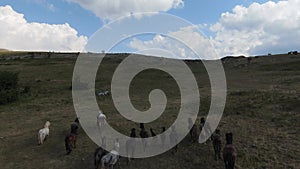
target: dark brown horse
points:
(217, 144)
(70, 142)
(229, 152)
(99, 153)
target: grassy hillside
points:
(262, 111)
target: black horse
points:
(133, 133)
(144, 134)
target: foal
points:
(43, 133)
(101, 118)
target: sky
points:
(240, 27)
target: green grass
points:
(262, 111)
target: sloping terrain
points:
(262, 111)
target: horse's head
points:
(47, 124)
(229, 138)
(76, 120)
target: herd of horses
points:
(105, 159)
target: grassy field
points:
(262, 111)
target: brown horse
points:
(229, 152)
(70, 142)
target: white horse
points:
(101, 118)
(110, 159)
(43, 133)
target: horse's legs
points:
(102, 165)
(75, 143)
(127, 160)
(96, 164)
(226, 165)
(41, 138)
(69, 148)
(231, 164)
(144, 144)
(128, 154)
(219, 152)
(216, 158)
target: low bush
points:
(8, 87)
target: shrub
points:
(8, 87)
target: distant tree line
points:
(293, 52)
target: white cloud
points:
(18, 34)
(258, 29)
(186, 43)
(112, 9)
